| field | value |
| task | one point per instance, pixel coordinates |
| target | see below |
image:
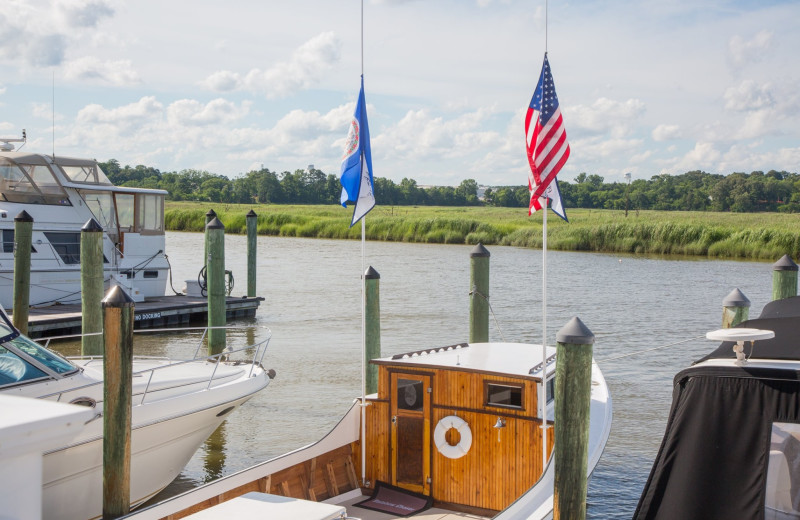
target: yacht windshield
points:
(30, 184)
(14, 369)
(85, 173)
(38, 353)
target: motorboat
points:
(732, 443)
(61, 194)
(176, 406)
(453, 431)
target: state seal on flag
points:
(351, 145)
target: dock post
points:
(23, 238)
(252, 231)
(210, 215)
(91, 288)
(479, 295)
(372, 329)
(573, 392)
(215, 273)
(735, 309)
(784, 278)
(118, 316)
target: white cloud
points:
(307, 66)
(748, 96)
(666, 132)
(120, 72)
(82, 13)
(189, 112)
(742, 52)
(704, 156)
(45, 111)
(616, 118)
(147, 108)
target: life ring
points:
(445, 448)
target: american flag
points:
(546, 139)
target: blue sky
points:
(646, 87)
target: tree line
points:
(691, 191)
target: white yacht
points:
(176, 406)
(61, 194)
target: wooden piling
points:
(118, 316)
(210, 215)
(91, 288)
(784, 278)
(252, 231)
(23, 238)
(479, 295)
(573, 392)
(215, 274)
(735, 309)
(372, 329)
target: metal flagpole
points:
(363, 302)
(543, 393)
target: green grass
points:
(758, 236)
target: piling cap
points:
(251, 214)
(23, 216)
(479, 251)
(91, 226)
(211, 214)
(785, 264)
(117, 297)
(371, 274)
(215, 224)
(575, 332)
(736, 298)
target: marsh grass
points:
(759, 236)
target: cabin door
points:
(411, 430)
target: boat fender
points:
(445, 448)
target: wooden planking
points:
(378, 436)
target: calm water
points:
(312, 291)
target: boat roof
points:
(503, 359)
(780, 316)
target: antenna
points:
(54, 113)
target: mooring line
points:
(650, 349)
(496, 324)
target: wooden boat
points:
(458, 428)
(732, 443)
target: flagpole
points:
(363, 307)
(543, 393)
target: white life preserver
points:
(445, 448)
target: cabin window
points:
(150, 274)
(67, 245)
(8, 241)
(14, 370)
(85, 173)
(503, 395)
(101, 204)
(125, 211)
(43, 356)
(150, 213)
(551, 390)
(782, 497)
(410, 394)
(30, 184)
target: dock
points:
(164, 311)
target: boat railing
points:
(228, 355)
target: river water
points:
(312, 306)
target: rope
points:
(496, 324)
(650, 349)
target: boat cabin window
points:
(125, 211)
(38, 353)
(8, 241)
(101, 204)
(150, 213)
(14, 370)
(504, 395)
(30, 184)
(85, 174)
(551, 390)
(782, 498)
(410, 394)
(67, 245)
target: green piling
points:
(735, 309)
(23, 238)
(784, 278)
(479, 295)
(215, 274)
(372, 330)
(91, 288)
(118, 316)
(573, 392)
(210, 215)
(252, 231)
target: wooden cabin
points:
(461, 424)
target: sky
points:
(647, 87)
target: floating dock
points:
(164, 311)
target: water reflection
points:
(214, 454)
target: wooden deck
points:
(164, 311)
(433, 513)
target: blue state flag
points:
(356, 176)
